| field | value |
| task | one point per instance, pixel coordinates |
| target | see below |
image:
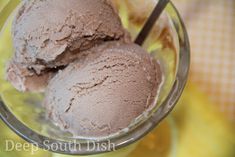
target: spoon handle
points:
(151, 21)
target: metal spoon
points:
(151, 21)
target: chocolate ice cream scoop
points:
(49, 34)
(24, 79)
(104, 93)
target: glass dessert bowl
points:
(168, 43)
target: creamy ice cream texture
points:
(97, 82)
(26, 80)
(105, 92)
(49, 34)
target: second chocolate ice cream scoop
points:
(104, 94)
